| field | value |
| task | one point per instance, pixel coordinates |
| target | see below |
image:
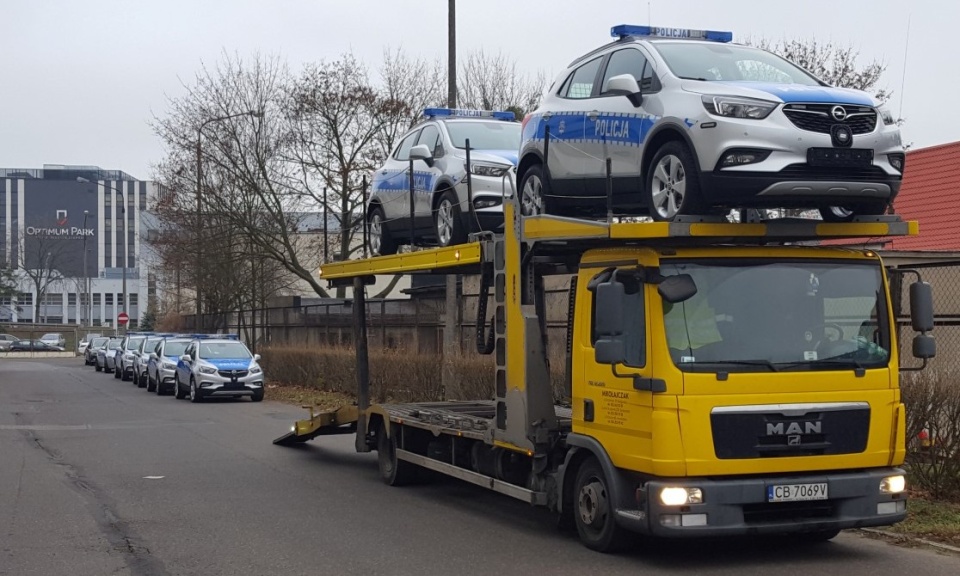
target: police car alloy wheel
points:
(531, 192)
(380, 240)
(673, 184)
(447, 219)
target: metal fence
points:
(944, 277)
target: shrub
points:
(932, 399)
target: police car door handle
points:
(593, 114)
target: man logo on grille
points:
(839, 113)
(793, 440)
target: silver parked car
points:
(54, 339)
(6, 340)
(107, 356)
(441, 208)
(90, 351)
(694, 124)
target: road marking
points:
(153, 477)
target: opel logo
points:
(234, 372)
(839, 113)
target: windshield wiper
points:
(692, 78)
(764, 363)
(834, 362)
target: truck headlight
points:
(677, 496)
(255, 370)
(208, 370)
(893, 484)
(738, 107)
(493, 170)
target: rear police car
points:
(218, 367)
(693, 124)
(459, 160)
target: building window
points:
(72, 299)
(108, 298)
(96, 299)
(133, 299)
(25, 299)
(52, 299)
(83, 299)
(119, 299)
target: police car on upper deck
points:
(437, 149)
(693, 124)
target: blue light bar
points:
(627, 30)
(208, 336)
(448, 112)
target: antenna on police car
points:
(649, 20)
(903, 78)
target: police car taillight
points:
(627, 30)
(451, 112)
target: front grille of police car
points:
(819, 117)
(232, 373)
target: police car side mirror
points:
(626, 85)
(185, 358)
(421, 152)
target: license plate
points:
(797, 492)
(839, 157)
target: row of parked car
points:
(52, 342)
(198, 366)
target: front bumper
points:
(488, 196)
(739, 506)
(213, 385)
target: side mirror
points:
(626, 85)
(609, 351)
(421, 152)
(921, 306)
(609, 309)
(153, 356)
(924, 346)
(256, 357)
(185, 358)
(675, 289)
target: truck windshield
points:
(756, 315)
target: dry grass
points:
(395, 375)
(930, 519)
(932, 399)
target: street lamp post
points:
(252, 113)
(126, 244)
(86, 281)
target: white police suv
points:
(218, 367)
(693, 124)
(162, 363)
(459, 159)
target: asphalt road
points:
(99, 477)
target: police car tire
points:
(151, 386)
(847, 213)
(257, 396)
(97, 367)
(177, 390)
(546, 204)
(692, 202)
(116, 373)
(195, 395)
(458, 235)
(388, 245)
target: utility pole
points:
(451, 321)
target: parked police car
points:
(437, 148)
(218, 367)
(692, 124)
(162, 363)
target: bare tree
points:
(42, 261)
(493, 82)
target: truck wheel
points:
(393, 472)
(380, 240)
(447, 220)
(593, 510)
(673, 183)
(533, 192)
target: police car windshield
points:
(174, 348)
(712, 61)
(97, 342)
(114, 343)
(494, 135)
(214, 350)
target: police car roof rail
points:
(209, 336)
(464, 113)
(628, 30)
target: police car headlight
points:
(255, 370)
(169, 366)
(493, 170)
(738, 107)
(208, 370)
(886, 116)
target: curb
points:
(924, 541)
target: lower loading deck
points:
(453, 438)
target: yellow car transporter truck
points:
(721, 378)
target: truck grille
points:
(232, 373)
(786, 511)
(819, 118)
(754, 432)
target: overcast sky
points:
(80, 79)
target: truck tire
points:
(393, 472)
(593, 511)
(820, 535)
